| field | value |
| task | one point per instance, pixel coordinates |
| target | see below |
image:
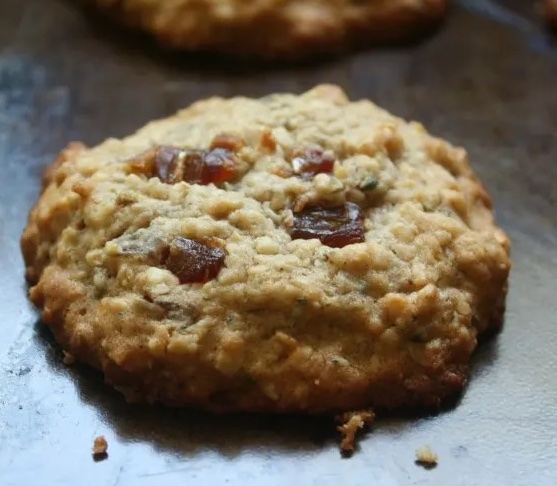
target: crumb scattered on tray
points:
(425, 457)
(68, 358)
(100, 448)
(351, 423)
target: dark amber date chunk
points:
(172, 165)
(228, 142)
(167, 161)
(335, 227)
(194, 262)
(206, 166)
(311, 161)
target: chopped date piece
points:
(167, 162)
(206, 166)
(228, 142)
(172, 165)
(144, 163)
(194, 262)
(335, 227)
(311, 161)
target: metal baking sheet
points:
(487, 81)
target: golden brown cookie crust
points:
(288, 324)
(288, 29)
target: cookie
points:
(294, 253)
(277, 29)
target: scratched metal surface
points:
(486, 81)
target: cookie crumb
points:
(68, 358)
(351, 423)
(426, 458)
(100, 448)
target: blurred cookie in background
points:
(278, 29)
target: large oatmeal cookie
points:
(290, 253)
(277, 28)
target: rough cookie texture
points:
(270, 321)
(277, 28)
